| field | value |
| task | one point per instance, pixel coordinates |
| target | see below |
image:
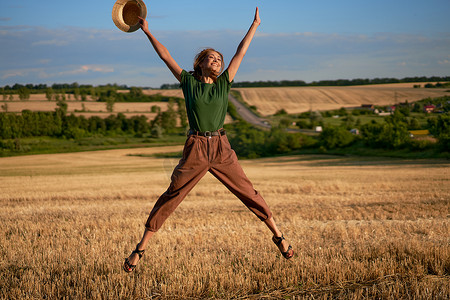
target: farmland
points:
(87, 108)
(267, 100)
(361, 228)
(300, 99)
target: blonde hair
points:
(199, 58)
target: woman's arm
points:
(242, 48)
(161, 50)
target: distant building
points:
(429, 108)
(318, 129)
(391, 108)
(354, 131)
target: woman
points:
(207, 148)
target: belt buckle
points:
(207, 134)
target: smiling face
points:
(212, 62)
(208, 63)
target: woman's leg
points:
(227, 170)
(191, 168)
(134, 257)
(270, 222)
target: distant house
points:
(429, 108)
(354, 131)
(391, 108)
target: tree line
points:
(59, 124)
(340, 82)
(390, 132)
(337, 82)
(90, 89)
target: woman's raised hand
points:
(143, 23)
(257, 20)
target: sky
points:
(49, 41)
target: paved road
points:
(247, 114)
(250, 117)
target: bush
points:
(422, 144)
(335, 137)
(249, 142)
(393, 134)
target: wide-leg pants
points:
(200, 155)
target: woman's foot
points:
(284, 247)
(130, 263)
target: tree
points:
(76, 93)
(49, 93)
(109, 104)
(335, 137)
(5, 107)
(440, 128)
(24, 93)
(136, 93)
(61, 107)
(281, 112)
(393, 134)
(155, 109)
(414, 124)
(182, 113)
(167, 120)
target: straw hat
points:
(125, 14)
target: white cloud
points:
(88, 68)
(110, 56)
(13, 73)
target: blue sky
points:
(51, 41)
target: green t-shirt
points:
(206, 104)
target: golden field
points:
(267, 100)
(361, 227)
(301, 99)
(88, 108)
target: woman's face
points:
(212, 62)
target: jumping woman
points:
(207, 148)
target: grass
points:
(48, 145)
(361, 228)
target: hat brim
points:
(125, 14)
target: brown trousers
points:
(200, 155)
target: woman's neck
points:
(207, 76)
(206, 79)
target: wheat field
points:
(361, 228)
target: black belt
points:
(208, 133)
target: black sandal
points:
(127, 267)
(289, 252)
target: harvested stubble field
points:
(88, 108)
(267, 100)
(361, 228)
(301, 99)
